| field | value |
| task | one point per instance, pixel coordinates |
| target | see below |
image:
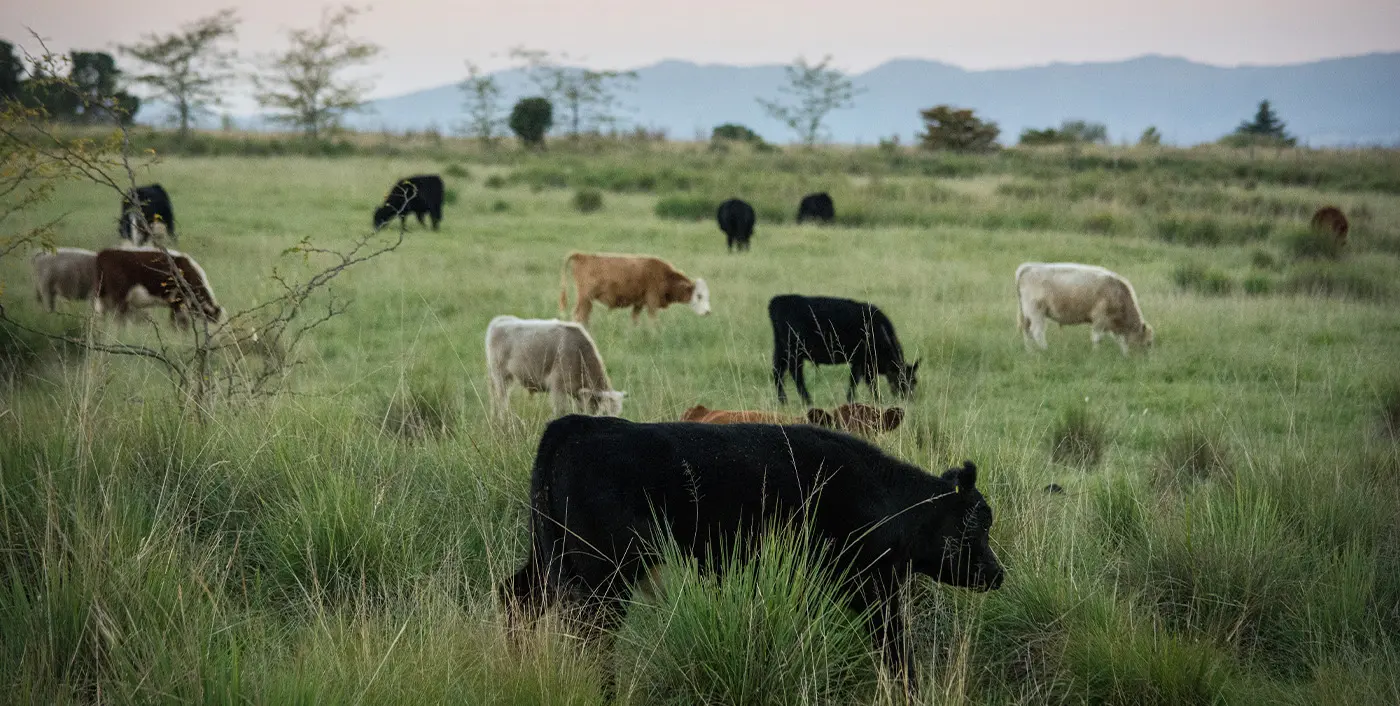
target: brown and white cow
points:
(1070, 293)
(548, 355)
(621, 281)
(854, 417)
(65, 272)
(144, 277)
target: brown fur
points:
(120, 272)
(620, 281)
(1330, 219)
(856, 418)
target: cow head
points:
(383, 215)
(700, 298)
(1142, 338)
(964, 556)
(904, 377)
(607, 403)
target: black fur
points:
(736, 219)
(833, 331)
(600, 485)
(155, 206)
(417, 195)
(816, 207)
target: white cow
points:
(65, 272)
(1070, 293)
(548, 355)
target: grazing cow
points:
(65, 272)
(548, 355)
(1330, 219)
(417, 195)
(606, 494)
(154, 209)
(736, 219)
(816, 207)
(637, 281)
(1070, 293)
(141, 278)
(832, 331)
(857, 417)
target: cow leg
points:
(879, 598)
(436, 215)
(780, 369)
(499, 393)
(729, 242)
(559, 400)
(583, 308)
(421, 224)
(800, 382)
(636, 314)
(1037, 330)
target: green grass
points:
(1234, 542)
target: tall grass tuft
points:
(686, 208)
(1313, 244)
(588, 200)
(1193, 454)
(421, 410)
(1194, 276)
(774, 631)
(1390, 410)
(1078, 439)
(1352, 280)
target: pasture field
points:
(1229, 531)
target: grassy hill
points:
(1234, 542)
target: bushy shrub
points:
(449, 196)
(1390, 410)
(734, 132)
(588, 200)
(1078, 439)
(1102, 222)
(1184, 230)
(1263, 259)
(530, 119)
(420, 411)
(500, 206)
(686, 208)
(1194, 276)
(1258, 284)
(457, 171)
(1313, 244)
(1194, 453)
(495, 181)
(1338, 279)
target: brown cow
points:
(1330, 219)
(853, 417)
(144, 277)
(620, 281)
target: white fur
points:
(548, 355)
(700, 298)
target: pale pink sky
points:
(426, 41)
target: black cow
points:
(154, 208)
(417, 195)
(605, 493)
(736, 220)
(832, 331)
(816, 207)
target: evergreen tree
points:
(1266, 127)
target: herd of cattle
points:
(606, 491)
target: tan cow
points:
(143, 277)
(855, 417)
(1070, 293)
(548, 355)
(635, 281)
(65, 272)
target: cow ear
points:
(967, 477)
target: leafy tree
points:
(1070, 132)
(301, 83)
(734, 132)
(483, 97)
(957, 130)
(530, 119)
(1084, 132)
(11, 70)
(1150, 137)
(188, 67)
(814, 90)
(588, 98)
(94, 97)
(1265, 128)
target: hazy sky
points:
(426, 41)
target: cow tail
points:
(564, 283)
